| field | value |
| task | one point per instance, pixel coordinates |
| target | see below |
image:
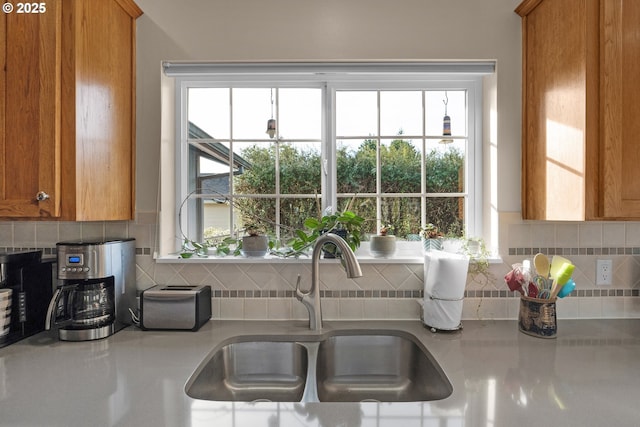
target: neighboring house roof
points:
(215, 151)
(215, 184)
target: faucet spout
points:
(311, 299)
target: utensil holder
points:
(537, 317)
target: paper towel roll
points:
(445, 277)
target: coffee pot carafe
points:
(87, 308)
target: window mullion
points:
(329, 171)
(182, 170)
(423, 163)
(277, 165)
(232, 224)
(379, 167)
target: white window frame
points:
(182, 87)
(473, 150)
(341, 76)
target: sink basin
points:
(384, 366)
(252, 371)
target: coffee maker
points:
(27, 281)
(96, 289)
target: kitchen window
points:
(369, 136)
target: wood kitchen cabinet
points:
(67, 111)
(581, 109)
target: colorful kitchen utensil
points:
(533, 290)
(556, 263)
(563, 275)
(515, 279)
(541, 282)
(567, 288)
(542, 265)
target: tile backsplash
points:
(264, 290)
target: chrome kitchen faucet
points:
(311, 299)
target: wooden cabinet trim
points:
(3, 99)
(131, 8)
(620, 109)
(527, 6)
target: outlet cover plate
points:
(604, 272)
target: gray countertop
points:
(588, 376)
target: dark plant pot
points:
(330, 250)
(255, 246)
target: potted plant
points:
(431, 237)
(383, 245)
(346, 224)
(254, 244)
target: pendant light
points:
(271, 123)
(446, 123)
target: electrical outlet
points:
(604, 272)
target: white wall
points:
(255, 30)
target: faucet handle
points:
(299, 294)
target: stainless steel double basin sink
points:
(384, 366)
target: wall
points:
(356, 30)
(255, 30)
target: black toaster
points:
(175, 307)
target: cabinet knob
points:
(42, 196)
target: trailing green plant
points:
(190, 248)
(479, 268)
(348, 221)
(478, 254)
(224, 245)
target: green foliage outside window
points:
(299, 173)
(400, 173)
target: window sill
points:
(407, 253)
(363, 259)
(175, 259)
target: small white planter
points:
(382, 246)
(455, 246)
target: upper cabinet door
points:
(98, 109)
(581, 109)
(620, 108)
(560, 109)
(29, 117)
